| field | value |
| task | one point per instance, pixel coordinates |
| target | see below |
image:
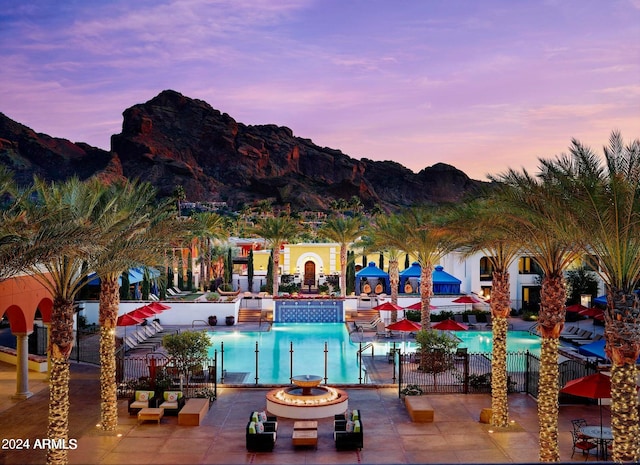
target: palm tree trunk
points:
(343, 270)
(500, 309)
(60, 346)
(548, 400)
(393, 281)
(623, 347)
(426, 289)
(109, 304)
(276, 268)
(550, 324)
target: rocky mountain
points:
(174, 140)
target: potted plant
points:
(212, 320)
(205, 393)
(230, 320)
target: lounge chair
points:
(145, 341)
(381, 330)
(458, 317)
(489, 321)
(472, 321)
(581, 342)
(379, 289)
(133, 344)
(154, 297)
(570, 330)
(179, 291)
(582, 334)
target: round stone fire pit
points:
(307, 399)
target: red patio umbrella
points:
(142, 312)
(450, 325)
(596, 386)
(388, 306)
(466, 299)
(404, 325)
(128, 320)
(591, 312)
(158, 306)
(576, 308)
(418, 306)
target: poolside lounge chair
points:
(381, 330)
(581, 342)
(570, 330)
(582, 334)
(458, 317)
(379, 289)
(132, 344)
(472, 321)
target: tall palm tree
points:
(602, 211)
(534, 210)
(388, 233)
(480, 226)
(73, 205)
(276, 231)
(428, 239)
(343, 230)
(206, 227)
(134, 232)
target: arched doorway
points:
(309, 273)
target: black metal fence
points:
(471, 373)
(86, 347)
(157, 371)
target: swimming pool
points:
(481, 342)
(308, 339)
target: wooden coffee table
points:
(305, 424)
(151, 414)
(305, 437)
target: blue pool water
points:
(274, 357)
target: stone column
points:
(22, 365)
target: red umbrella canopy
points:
(388, 306)
(576, 308)
(404, 325)
(157, 306)
(591, 312)
(128, 320)
(597, 386)
(466, 299)
(418, 306)
(450, 325)
(142, 312)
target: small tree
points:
(436, 351)
(250, 271)
(188, 349)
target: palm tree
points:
(602, 213)
(533, 212)
(135, 232)
(480, 226)
(276, 231)
(388, 233)
(428, 239)
(206, 227)
(343, 230)
(73, 206)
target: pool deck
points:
(456, 436)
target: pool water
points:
(308, 339)
(274, 357)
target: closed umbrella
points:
(450, 325)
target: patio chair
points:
(458, 317)
(472, 321)
(172, 402)
(347, 434)
(578, 423)
(381, 330)
(141, 399)
(489, 321)
(585, 445)
(260, 436)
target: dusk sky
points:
(482, 85)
